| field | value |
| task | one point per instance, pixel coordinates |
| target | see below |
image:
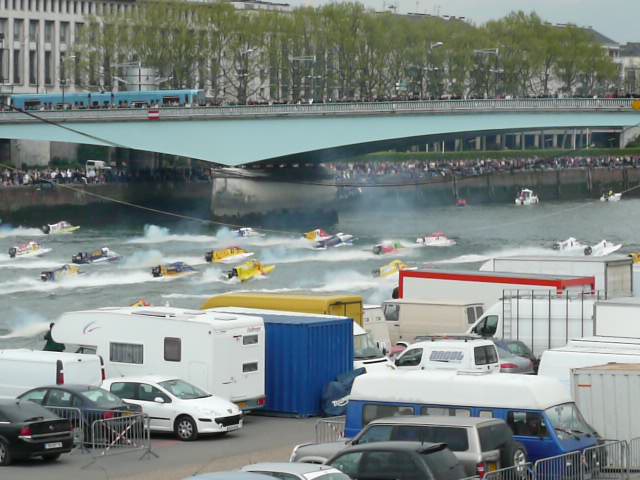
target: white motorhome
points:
(540, 320)
(587, 352)
(221, 353)
(456, 353)
(408, 319)
(22, 370)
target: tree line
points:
(341, 52)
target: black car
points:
(398, 460)
(28, 430)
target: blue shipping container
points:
(303, 353)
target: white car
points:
(174, 405)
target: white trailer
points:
(618, 318)
(482, 287)
(221, 353)
(613, 273)
(540, 320)
(374, 323)
(408, 319)
(22, 370)
(607, 396)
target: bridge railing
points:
(419, 106)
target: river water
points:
(28, 304)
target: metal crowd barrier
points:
(74, 415)
(121, 434)
(330, 429)
(609, 461)
(517, 472)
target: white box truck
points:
(607, 395)
(222, 353)
(22, 370)
(482, 287)
(613, 273)
(540, 320)
(408, 319)
(619, 317)
(374, 323)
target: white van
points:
(456, 353)
(220, 353)
(22, 370)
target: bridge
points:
(238, 135)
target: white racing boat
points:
(246, 232)
(26, 250)
(527, 197)
(570, 245)
(58, 228)
(603, 248)
(437, 239)
(335, 241)
(611, 197)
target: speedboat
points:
(391, 269)
(387, 248)
(227, 255)
(65, 271)
(246, 232)
(173, 270)
(603, 248)
(60, 227)
(527, 197)
(611, 197)
(436, 239)
(337, 240)
(102, 255)
(249, 270)
(461, 202)
(29, 249)
(569, 245)
(317, 235)
(635, 257)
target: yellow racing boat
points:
(249, 270)
(391, 269)
(227, 255)
(65, 271)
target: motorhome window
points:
(249, 367)
(172, 349)
(372, 411)
(126, 353)
(485, 355)
(471, 315)
(445, 411)
(391, 312)
(249, 339)
(527, 423)
(446, 356)
(411, 358)
(125, 390)
(87, 350)
(35, 396)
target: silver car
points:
(481, 444)
(296, 471)
(510, 363)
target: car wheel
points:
(5, 456)
(185, 428)
(518, 455)
(51, 457)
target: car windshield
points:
(183, 390)
(567, 421)
(102, 398)
(365, 348)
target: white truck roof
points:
(448, 387)
(26, 355)
(625, 301)
(566, 258)
(447, 302)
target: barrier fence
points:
(519, 472)
(330, 429)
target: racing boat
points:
(461, 202)
(635, 257)
(437, 239)
(603, 248)
(569, 245)
(317, 235)
(391, 269)
(249, 270)
(173, 270)
(611, 197)
(65, 271)
(337, 240)
(227, 255)
(29, 249)
(102, 255)
(387, 248)
(246, 232)
(60, 227)
(526, 197)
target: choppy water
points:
(28, 304)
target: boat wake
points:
(23, 324)
(30, 284)
(27, 263)
(281, 255)
(7, 231)
(156, 234)
(512, 252)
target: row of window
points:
(64, 6)
(34, 30)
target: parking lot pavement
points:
(262, 439)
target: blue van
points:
(539, 410)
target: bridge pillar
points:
(478, 143)
(555, 140)
(536, 140)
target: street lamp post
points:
(63, 76)
(306, 58)
(429, 67)
(487, 52)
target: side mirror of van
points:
(158, 400)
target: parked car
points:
(28, 430)
(480, 444)
(229, 476)
(520, 349)
(399, 460)
(510, 363)
(296, 471)
(174, 405)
